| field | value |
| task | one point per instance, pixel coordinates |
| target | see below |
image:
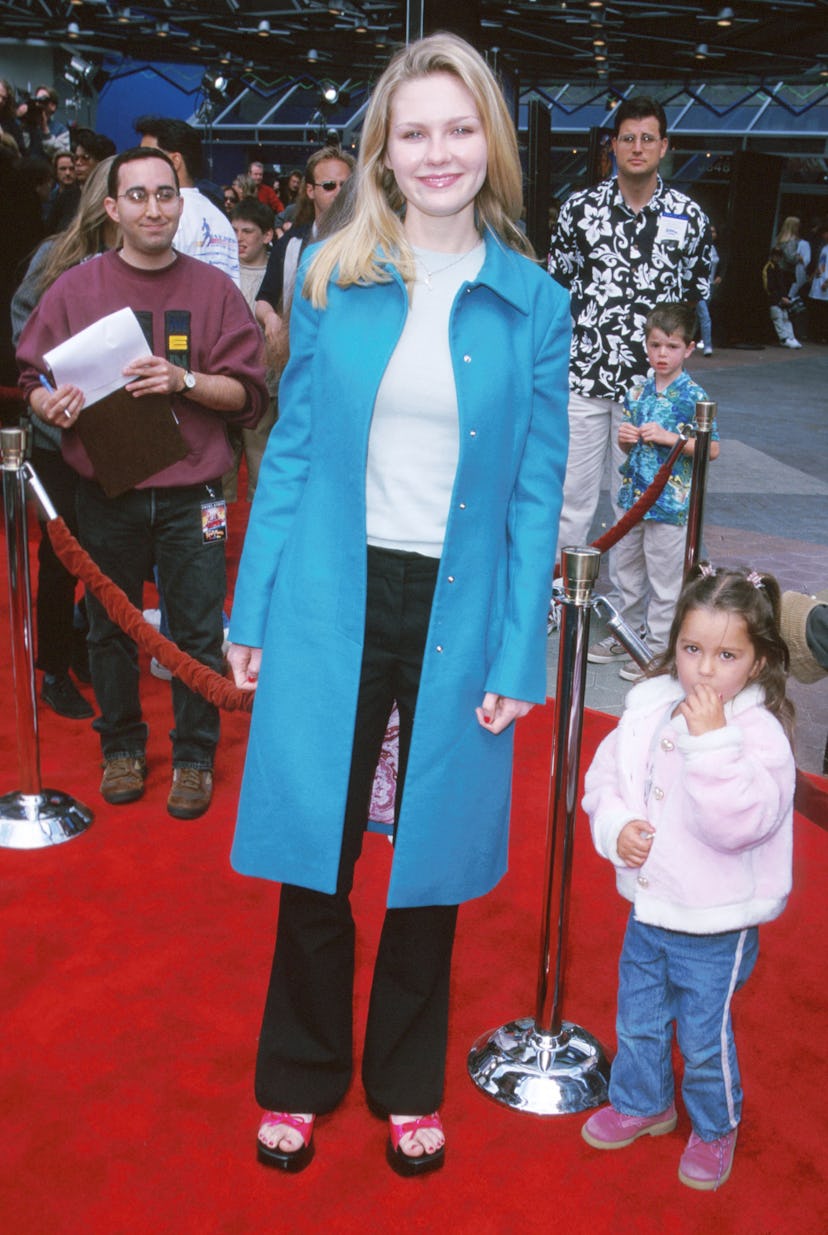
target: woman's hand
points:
(634, 841)
(497, 712)
(245, 663)
(153, 375)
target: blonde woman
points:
(399, 549)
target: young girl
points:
(399, 550)
(691, 798)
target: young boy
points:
(648, 563)
(252, 222)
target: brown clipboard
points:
(128, 439)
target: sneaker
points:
(706, 1165)
(159, 671)
(609, 1129)
(61, 694)
(608, 652)
(191, 792)
(123, 779)
(631, 672)
(792, 343)
(708, 351)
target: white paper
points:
(94, 359)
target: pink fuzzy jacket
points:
(721, 807)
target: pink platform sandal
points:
(286, 1159)
(408, 1164)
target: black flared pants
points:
(305, 1055)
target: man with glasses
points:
(621, 248)
(325, 173)
(206, 359)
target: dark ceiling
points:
(548, 43)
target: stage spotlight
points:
(330, 94)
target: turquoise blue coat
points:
(300, 593)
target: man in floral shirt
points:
(621, 248)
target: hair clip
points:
(755, 578)
(706, 570)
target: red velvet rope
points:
(811, 799)
(216, 689)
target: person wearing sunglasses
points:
(326, 172)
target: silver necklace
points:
(429, 274)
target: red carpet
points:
(133, 971)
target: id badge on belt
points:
(213, 518)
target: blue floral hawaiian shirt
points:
(675, 410)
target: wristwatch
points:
(189, 381)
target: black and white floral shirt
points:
(618, 266)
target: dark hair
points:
(95, 144)
(134, 155)
(254, 211)
(756, 598)
(53, 95)
(672, 317)
(175, 137)
(640, 108)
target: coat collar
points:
(655, 693)
(503, 272)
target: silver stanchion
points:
(705, 415)
(32, 817)
(544, 1064)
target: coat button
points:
(643, 881)
(666, 744)
(472, 432)
(451, 578)
(467, 359)
(462, 505)
(658, 794)
(439, 647)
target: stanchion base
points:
(35, 820)
(545, 1074)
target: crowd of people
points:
(421, 406)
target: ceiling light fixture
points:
(701, 52)
(313, 55)
(263, 29)
(725, 17)
(73, 30)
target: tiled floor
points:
(766, 503)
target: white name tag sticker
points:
(672, 228)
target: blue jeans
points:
(705, 324)
(667, 976)
(127, 536)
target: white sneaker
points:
(708, 351)
(608, 652)
(792, 343)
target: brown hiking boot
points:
(191, 792)
(123, 779)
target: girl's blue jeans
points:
(667, 976)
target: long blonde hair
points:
(85, 235)
(374, 236)
(788, 231)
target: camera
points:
(32, 110)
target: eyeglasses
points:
(139, 196)
(646, 139)
(328, 185)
